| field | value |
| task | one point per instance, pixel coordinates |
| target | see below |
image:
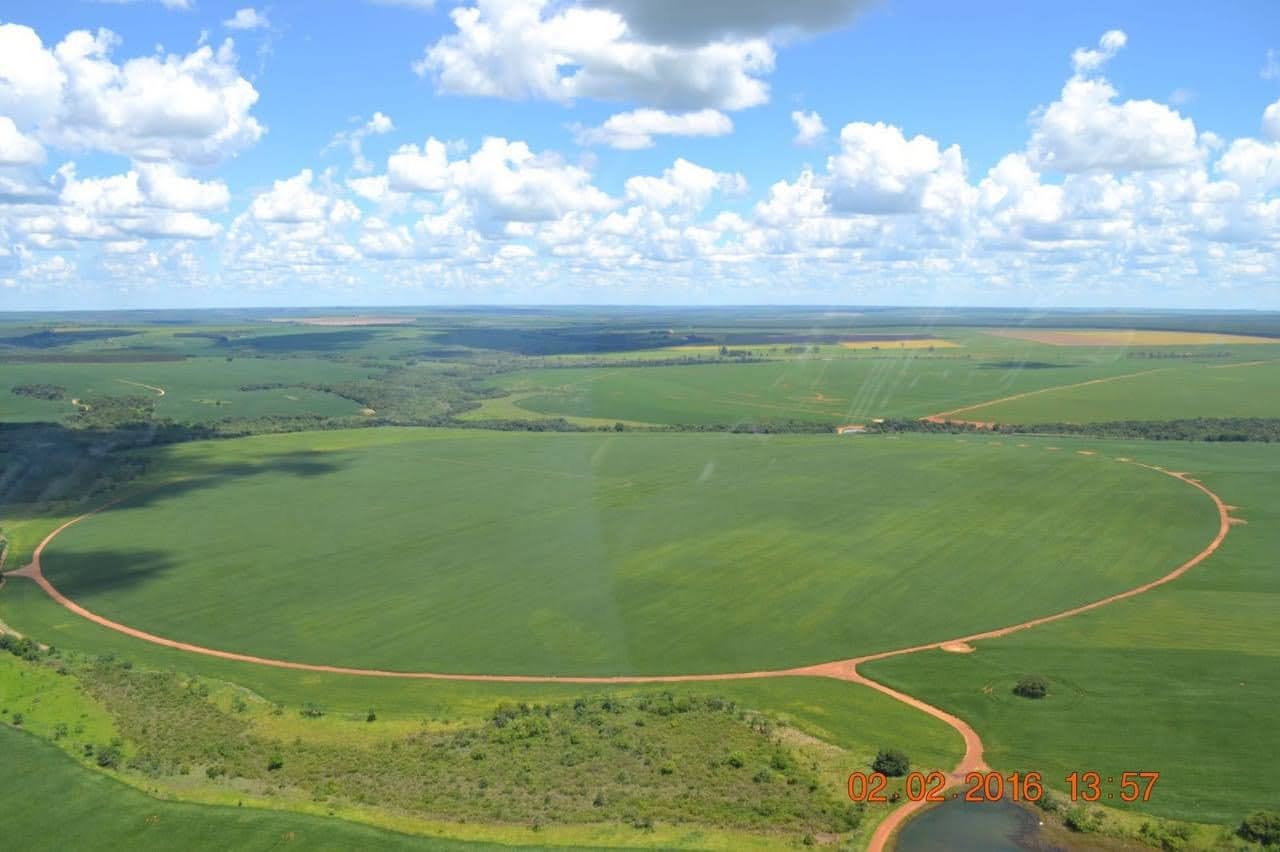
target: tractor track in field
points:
(845, 670)
(945, 416)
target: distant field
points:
(824, 390)
(915, 343)
(1234, 389)
(651, 553)
(1128, 337)
(1182, 680)
(195, 390)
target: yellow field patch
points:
(1126, 337)
(917, 343)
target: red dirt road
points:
(846, 670)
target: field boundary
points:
(845, 670)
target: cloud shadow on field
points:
(190, 475)
(48, 469)
(102, 571)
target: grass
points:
(829, 389)
(52, 803)
(1233, 389)
(1183, 680)
(197, 390)
(651, 554)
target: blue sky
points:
(186, 152)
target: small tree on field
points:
(891, 762)
(1032, 686)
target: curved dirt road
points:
(846, 670)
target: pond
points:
(959, 826)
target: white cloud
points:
(291, 200)
(809, 127)
(1086, 128)
(17, 149)
(683, 185)
(878, 170)
(1271, 122)
(636, 129)
(508, 182)
(194, 108)
(379, 124)
(527, 49)
(247, 19)
(165, 186)
(411, 169)
(1085, 60)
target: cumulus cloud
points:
(809, 127)
(194, 108)
(636, 129)
(247, 19)
(1085, 60)
(509, 182)
(878, 170)
(1088, 128)
(684, 185)
(292, 200)
(530, 49)
(17, 149)
(1271, 122)
(414, 169)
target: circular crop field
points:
(600, 554)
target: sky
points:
(191, 153)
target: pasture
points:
(1182, 680)
(1234, 389)
(603, 554)
(198, 390)
(822, 390)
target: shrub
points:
(891, 762)
(1261, 827)
(275, 762)
(1031, 686)
(311, 710)
(109, 757)
(1083, 819)
(736, 760)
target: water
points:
(959, 826)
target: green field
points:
(1182, 680)
(833, 389)
(543, 540)
(1241, 389)
(651, 553)
(196, 390)
(51, 803)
